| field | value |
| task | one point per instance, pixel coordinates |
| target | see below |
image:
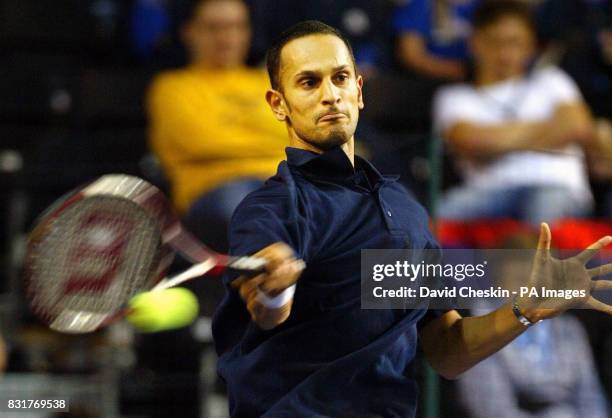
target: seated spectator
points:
(600, 164)
(432, 37)
(210, 124)
(548, 371)
(580, 34)
(517, 132)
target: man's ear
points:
(277, 104)
(360, 92)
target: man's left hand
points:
(565, 275)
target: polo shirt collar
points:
(331, 164)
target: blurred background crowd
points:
(496, 114)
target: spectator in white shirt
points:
(517, 132)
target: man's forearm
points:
(413, 54)
(478, 141)
(570, 124)
(454, 344)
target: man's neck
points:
(349, 150)
(348, 147)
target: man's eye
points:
(342, 77)
(308, 82)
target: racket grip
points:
(247, 266)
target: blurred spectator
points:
(580, 33)
(516, 131)
(600, 160)
(150, 26)
(600, 334)
(210, 125)
(432, 37)
(363, 22)
(547, 372)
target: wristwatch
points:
(519, 315)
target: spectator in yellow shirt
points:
(210, 126)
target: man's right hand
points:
(282, 272)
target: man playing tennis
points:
(294, 342)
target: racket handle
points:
(247, 266)
(194, 271)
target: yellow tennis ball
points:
(163, 310)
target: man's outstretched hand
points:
(565, 275)
(282, 271)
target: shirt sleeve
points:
(560, 85)
(413, 17)
(263, 218)
(435, 256)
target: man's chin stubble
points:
(333, 140)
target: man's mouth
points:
(331, 117)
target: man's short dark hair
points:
(490, 12)
(299, 30)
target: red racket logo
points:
(103, 239)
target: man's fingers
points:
(600, 270)
(592, 249)
(282, 271)
(255, 308)
(276, 254)
(545, 237)
(284, 276)
(246, 290)
(249, 287)
(544, 242)
(598, 306)
(601, 285)
(236, 283)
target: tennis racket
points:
(97, 247)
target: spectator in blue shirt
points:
(432, 37)
(294, 342)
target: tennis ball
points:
(163, 310)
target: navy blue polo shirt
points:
(330, 358)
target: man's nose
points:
(330, 94)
